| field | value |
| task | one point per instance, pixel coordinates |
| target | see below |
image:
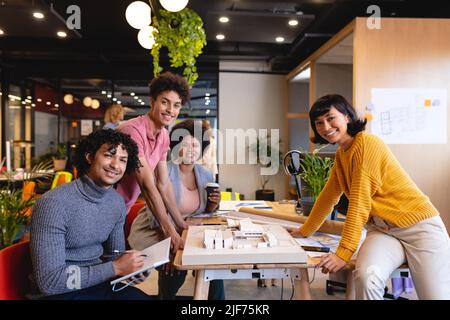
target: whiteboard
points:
(409, 115)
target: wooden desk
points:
(297, 271)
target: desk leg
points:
(302, 289)
(201, 286)
(350, 290)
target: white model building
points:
(249, 235)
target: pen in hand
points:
(116, 253)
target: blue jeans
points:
(170, 284)
(102, 291)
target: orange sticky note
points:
(427, 102)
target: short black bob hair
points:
(324, 104)
(169, 81)
(112, 138)
(190, 127)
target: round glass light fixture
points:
(145, 37)
(38, 15)
(224, 19)
(2, 32)
(220, 37)
(61, 34)
(279, 39)
(293, 22)
(68, 98)
(138, 14)
(95, 104)
(174, 5)
(87, 101)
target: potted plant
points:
(14, 203)
(60, 157)
(183, 35)
(263, 150)
(314, 173)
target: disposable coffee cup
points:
(211, 187)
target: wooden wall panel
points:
(409, 53)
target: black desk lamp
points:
(292, 167)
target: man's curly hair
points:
(112, 138)
(169, 81)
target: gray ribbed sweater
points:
(73, 225)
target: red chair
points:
(132, 214)
(15, 266)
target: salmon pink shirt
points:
(151, 145)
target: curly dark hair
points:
(169, 81)
(324, 104)
(190, 127)
(112, 138)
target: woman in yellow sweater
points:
(402, 224)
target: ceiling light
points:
(132, 94)
(33, 105)
(293, 22)
(138, 14)
(38, 15)
(114, 99)
(136, 97)
(68, 98)
(2, 32)
(142, 103)
(23, 102)
(48, 103)
(174, 5)
(95, 104)
(208, 111)
(61, 34)
(87, 101)
(220, 37)
(224, 19)
(146, 38)
(119, 102)
(29, 97)
(279, 39)
(39, 100)
(56, 105)
(103, 92)
(109, 96)
(207, 94)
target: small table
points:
(204, 274)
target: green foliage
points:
(13, 207)
(61, 152)
(263, 151)
(12, 215)
(183, 35)
(315, 171)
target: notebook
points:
(157, 255)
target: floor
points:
(243, 289)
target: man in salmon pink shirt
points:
(168, 93)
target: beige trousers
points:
(425, 246)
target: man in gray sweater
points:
(77, 225)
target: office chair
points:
(60, 178)
(132, 214)
(15, 266)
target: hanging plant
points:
(183, 35)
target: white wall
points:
(251, 101)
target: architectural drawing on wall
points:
(409, 115)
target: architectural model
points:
(240, 242)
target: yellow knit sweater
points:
(376, 185)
